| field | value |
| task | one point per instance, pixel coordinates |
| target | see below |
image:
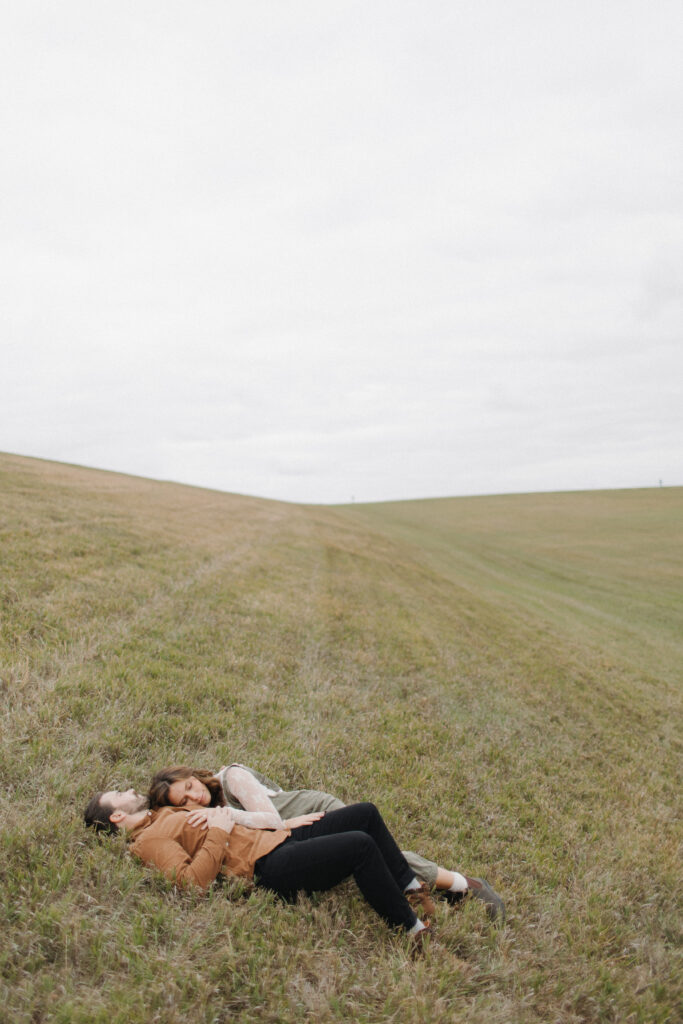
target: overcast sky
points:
(326, 249)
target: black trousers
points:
(353, 841)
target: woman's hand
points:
(211, 817)
(304, 819)
(198, 817)
(219, 817)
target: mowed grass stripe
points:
(148, 623)
(607, 565)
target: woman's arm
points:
(259, 810)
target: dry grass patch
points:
(482, 669)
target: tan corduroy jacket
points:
(194, 856)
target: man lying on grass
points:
(308, 857)
(260, 802)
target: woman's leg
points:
(292, 803)
(426, 870)
(320, 862)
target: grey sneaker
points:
(481, 890)
(451, 897)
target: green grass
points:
(500, 675)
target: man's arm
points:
(176, 863)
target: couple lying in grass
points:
(196, 825)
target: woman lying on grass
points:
(312, 857)
(258, 802)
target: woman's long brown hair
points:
(163, 780)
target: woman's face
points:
(185, 792)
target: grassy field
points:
(500, 675)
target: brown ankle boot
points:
(422, 941)
(420, 899)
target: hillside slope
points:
(502, 679)
(605, 566)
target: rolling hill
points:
(500, 675)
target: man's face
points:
(129, 802)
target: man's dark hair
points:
(96, 815)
